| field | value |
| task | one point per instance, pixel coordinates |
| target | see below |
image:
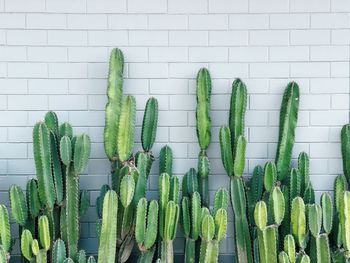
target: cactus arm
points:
(288, 123)
(66, 150)
(65, 129)
(33, 198)
(82, 148)
(203, 108)
(298, 221)
(41, 257)
(141, 213)
(51, 122)
(5, 234)
(270, 176)
(345, 149)
(18, 205)
(56, 168)
(84, 203)
(149, 124)
(152, 224)
(141, 184)
(42, 157)
(327, 212)
(220, 224)
(164, 189)
(289, 247)
(113, 106)
(190, 250)
(203, 177)
(260, 215)
(166, 160)
(72, 212)
(126, 128)
(127, 189)
(226, 150)
(174, 189)
(186, 218)
(294, 184)
(270, 237)
(238, 201)
(58, 251)
(278, 205)
(26, 244)
(91, 259)
(208, 228)
(345, 220)
(323, 251)
(44, 232)
(237, 110)
(303, 166)
(108, 238)
(315, 219)
(221, 200)
(35, 247)
(81, 256)
(195, 215)
(239, 158)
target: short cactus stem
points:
(167, 253)
(190, 250)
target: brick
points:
(8, 20)
(269, 70)
(172, 118)
(87, 54)
(47, 54)
(208, 22)
(27, 70)
(172, 22)
(8, 53)
(325, 150)
(13, 86)
(329, 85)
(228, 38)
(264, 102)
(184, 70)
(23, 6)
(315, 102)
(328, 118)
(64, 38)
(66, 6)
(148, 38)
(208, 54)
(268, 6)
(310, 37)
(46, 21)
(341, 37)
(67, 102)
(248, 54)
(27, 102)
(182, 134)
(340, 69)
(3, 69)
(97, 70)
(183, 6)
(168, 86)
(47, 86)
(107, 38)
(106, 6)
(228, 6)
(330, 53)
(168, 54)
(270, 37)
(312, 69)
(86, 21)
(188, 38)
(337, 21)
(152, 6)
(148, 70)
(291, 53)
(250, 21)
(340, 102)
(127, 21)
(182, 102)
(340, 6)
(67, 70)
(310, 6)
(289, 21)
(26, 37)
(263, 134)
(225, 70)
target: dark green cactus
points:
(288, 123)
(226, 150)
(19, 205)
(345, 149)
(58, 251)
(303, 167)
(166, 160)
(149, 125)
(42, 157)
(270, 176)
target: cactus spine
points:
(203, 131)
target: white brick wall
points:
(54, 56)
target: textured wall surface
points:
(54, 54)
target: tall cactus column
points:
(203, 131)
(233, 146)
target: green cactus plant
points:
(5, 235)
(288, 123)
(203, 131)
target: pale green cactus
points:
(270, 176)
(298, 221)
(5, 233)
(58, 251)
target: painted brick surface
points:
(54, 56)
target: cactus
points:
(146, 229)
(303, 167)
(203, 130)
(166, 160)
(58, 251)
(288, 122)
(5, 234)
(42, 157)
(149, 125)
(270, 176)
(345, 149)
(298, 221)
(108, 238)
(113, 106)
